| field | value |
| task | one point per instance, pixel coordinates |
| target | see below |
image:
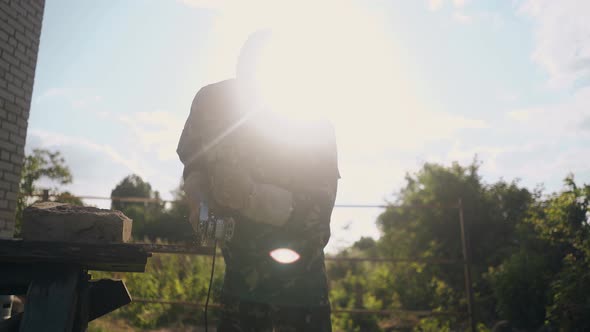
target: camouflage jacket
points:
(221, 136)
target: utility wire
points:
(158, 200)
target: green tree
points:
(132, 186)
(423, 222)
(43, 163)
(172, 224)
(143, 213)
(69, 198)
(151, 219)
(37, 165)
(562, 222)
(520, 287)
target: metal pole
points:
(467, 268)
(45, 196)
(358, 290)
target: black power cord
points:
(210, 285)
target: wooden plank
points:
(100, 257)
(83, 304)
(51, 300)
(176, 249)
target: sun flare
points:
(284, 255)
(346, 67)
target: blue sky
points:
(404, 82)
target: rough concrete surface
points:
(50, 221)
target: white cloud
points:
(205, 4)
(349, 225)
(462, 17)
(157, 131)
(51, 140)
(435, 4)
(52, 92)
(494, 157)
(507, 96)
(539, 144)
(460, 3)
(458, 13)
(556, 133)
(521, 115)
(497, 20)
(147, 148)
(96, 167)
(76, 97)
(562, 119)
(562, 38)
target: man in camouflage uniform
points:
(280, 191)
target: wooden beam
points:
(101, 257)
(51, 300)
(190, 249)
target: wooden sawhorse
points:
(60, 294)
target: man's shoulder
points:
(216, 97)
(225, 86)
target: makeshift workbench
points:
(60, 294)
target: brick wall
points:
(20, 29)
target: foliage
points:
(570, 304)
(43, 163)
(131, 186)
(69, 198)
(110, 324)
(530, 256)
(562, 223)
(520, 287)
(168, 277)
(38, 165)
(152, 220)
(172, 223)
(433, 325)
(424, 223)
(142, 213)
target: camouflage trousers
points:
(260, 317)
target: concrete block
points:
(50, 221)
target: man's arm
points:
(315, 202)
(233, 187)
(193, 188)
(216, 169)
(189, 151)
(312, 214)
